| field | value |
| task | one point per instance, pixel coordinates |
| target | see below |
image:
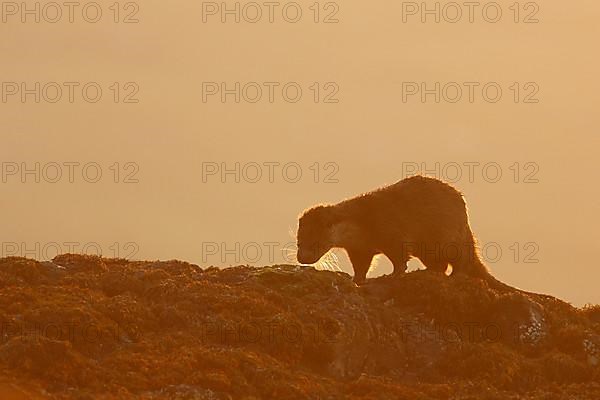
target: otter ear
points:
(331, 216)
(344, 232)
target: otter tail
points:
(472, 265)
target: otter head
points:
(314, 234)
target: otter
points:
(418, 217)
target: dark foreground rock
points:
(90, 328)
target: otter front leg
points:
(361, 262)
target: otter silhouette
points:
(416, 217)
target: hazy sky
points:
(360, 123)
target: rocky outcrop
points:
(87, 327)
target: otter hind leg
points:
(399, 261)
(435, 264)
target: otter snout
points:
(306, 257)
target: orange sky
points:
(368, 135)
